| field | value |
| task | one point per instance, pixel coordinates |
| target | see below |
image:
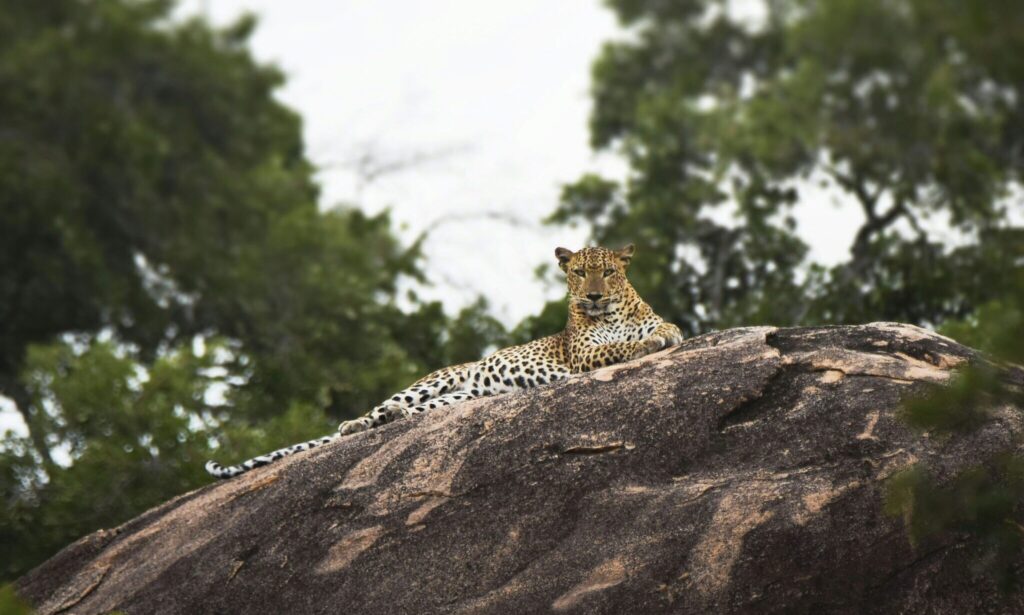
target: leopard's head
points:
(596, 276)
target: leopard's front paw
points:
(354, 426)
(648, 346)
(672, 336)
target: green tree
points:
(151, 185)
(912, 109)
(126, 436)
(155, 198)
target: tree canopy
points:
(912, 109)
(170, 287)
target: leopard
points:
(608, 323)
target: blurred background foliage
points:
(171, 289)
(911, 109)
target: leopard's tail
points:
(219, 471)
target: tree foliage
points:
(912, 109)
(170, 288)
(127, 437)
(156, 198)
(152, 185)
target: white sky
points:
(495, 94)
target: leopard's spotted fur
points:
(608, 323)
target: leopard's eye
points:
(608, 272)
(580, 273)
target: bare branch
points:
(916, 225)
(370, 165)
(488, 215)
(858, 186)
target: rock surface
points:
(740, 472)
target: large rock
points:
(740, 472)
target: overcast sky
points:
(488, 99)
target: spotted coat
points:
(608, 323)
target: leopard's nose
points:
(593, 296)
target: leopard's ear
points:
(563, 255)
(626, 254)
